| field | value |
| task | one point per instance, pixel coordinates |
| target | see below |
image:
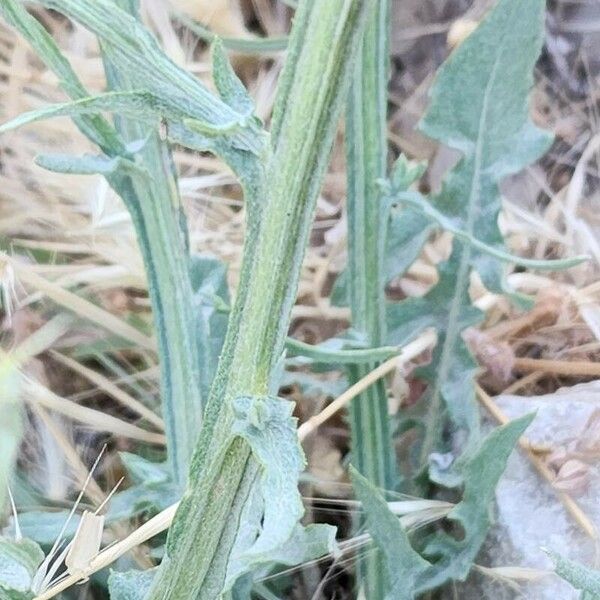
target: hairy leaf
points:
(429, 212)
(130, 585)
(140, 105)
(407, 230)
(267, 425)
(230, 88)
(211, 295)
(481, 472)
(132, 49)
(304, 544)
(84, 165)
(403, 565)
(579, 576)
(452, 558)
(19, 561)
(479, 106)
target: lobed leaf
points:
(266, 423)
(481, 472)
(451, 558)
(479, 106)
(304, 544)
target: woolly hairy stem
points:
(311, 91)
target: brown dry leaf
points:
(497, 357)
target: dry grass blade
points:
(573, 368)
(112, 390)
(80, 306)
(100, 421)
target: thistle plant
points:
(233, 457)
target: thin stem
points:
(367, 161)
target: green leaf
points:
(230, 88)
(132, 49)
(267, 424)
(423, 206)
(135, 104)
(403, 565)
(479, 106)
(452, 368)
(130, 585)
(19, 561)
(143, 471)
(304, 544)
(579, 576)
(336, 351)
(481, 472)
(452, 558)
(84, 165)
(408, 230)
(94, 126)
(43, 527)
(211, 296)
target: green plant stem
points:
(156, 211)
(367, 162)
(310, 95)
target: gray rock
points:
(529, 515)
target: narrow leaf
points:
(404, 566)
(230, 88)
(579, 576)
